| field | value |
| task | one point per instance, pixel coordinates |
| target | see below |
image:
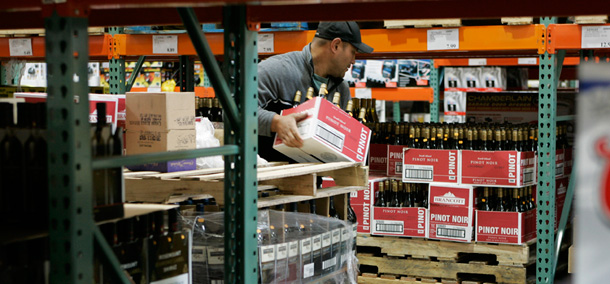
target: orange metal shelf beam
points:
(472, 39)
(400, 94)
(566, 37)
(99, 47)
(498, 62)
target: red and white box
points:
(505, 227)
(561, 190)
(424, 166)
(112, 105)
(451, 212)
(378, 158)
(329, 135)
(394, 165)
(362, 202)
(559, 163)
(400, 221)
(568, 160)
(498, 168)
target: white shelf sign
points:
(595, 37)
(20, 46)
(527, 61)
(167, 44)
(364, 93)
(265, 43)
(443, 39)
(477, 61)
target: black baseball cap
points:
(346, 31)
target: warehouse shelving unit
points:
(73, 234)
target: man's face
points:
(343, 59)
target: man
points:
(325, 60)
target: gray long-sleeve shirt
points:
(280, 76)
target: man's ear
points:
(335, 44)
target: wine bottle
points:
(323, 91)
(380, 202)
(485, 202)
(309, 94)
(332, 212)
(337, 99)
(500, 201)
(99, 150)
(350, 110)
(394, 200)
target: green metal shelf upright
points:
(73, 234)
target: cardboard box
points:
(160, 111)
(498, 168)
(561, 190)
(505, 227)
(378, 158)
(362, 203)
(394, 158)
(422, 165)
(140, 142)
(451, 212)
(329, 135)
(400, 221)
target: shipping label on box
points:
(144, 141)
(498, 168)
(329, 135)
(400, 221)
(394, 165)
(378, 158)
(451, 212)
(559, 163)
(160, 111)
(362, 202)
(505, 227)
(422, 165)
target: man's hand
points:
(286, 128)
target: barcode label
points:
(308, 270)
(199, 254)
(418, 172)
(451, 233)
(398, 169)
(329, 263)
(384, 226)
(330, 135)
(528, 175)
(559, 170)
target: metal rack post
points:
(69, 148)
(435, 75)
(550, 68)
(117, 68)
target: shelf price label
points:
(443, 39)
(364, 93)
(166, 44)
(477, 61)
(527, 61)
(20, 46)
(265, 43)
(595, 37)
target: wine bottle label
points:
(336, 236)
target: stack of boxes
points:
(160, 122)
(454, 180)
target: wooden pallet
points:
(296, 182)
(504, 254)
(421, 23)
(426, 270)
(369, 278)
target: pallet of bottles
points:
(390, 207)
(413, 260)
(295, 182)
(305, 248)
(501, 155)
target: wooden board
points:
(505, 254)
(511, 21)
(159, 191)
(599, 19)
(323, 193)
(445, 270)
(36, 32)
(202, 172)
(421, 23)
